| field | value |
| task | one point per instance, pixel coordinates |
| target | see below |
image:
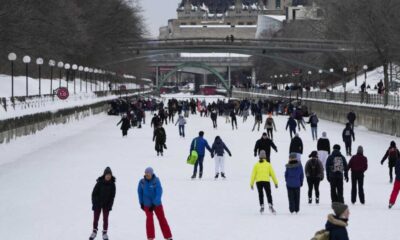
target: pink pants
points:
(395, 192)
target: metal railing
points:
(363, 98)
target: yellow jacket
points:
(262, 172)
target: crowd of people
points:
(322, 163)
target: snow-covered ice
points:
(47, 181)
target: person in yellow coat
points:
(262, 174)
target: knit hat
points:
(293, 156)
(262, 154)
(360, 149)
(336, 147)
(339, 208)
(314, 154)
(149, 170)
(107, 171)
(324, 134)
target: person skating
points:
(200, 145)
(214, 116)
(181, 122)
(160, 138)
(270, 126)
(233, 119)
(294, 177)
(102, 201)
(298, 115)
(336, 169)
(393, 154)
(217, 152)
(291, 124)
(150, 193)
(296, 146)
(358, 164)
(337, 222)
(125, 125)
(313, 121)
(396, 186)
(257, 120)
(315, 174)
(155, 121)
(262, 174)
(348, 136)
(351, 117)
(324, 148)
(264, 143)
(245, 114)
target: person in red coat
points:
(358, 165)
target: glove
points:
(346, 178)
(230, 155)
(252, 188)
(142, 206)
(382, 162)
(212, 155)
(276, 186)
(255, 154)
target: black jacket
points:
(296, 145)
(336, 228)
(348, 134)
(351, 116)
(103, 194)
(264, 144)
(323, 144)
(125, 124)
(159, 135)
(336, 165)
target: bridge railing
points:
(361, 98)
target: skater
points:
(214, 118)
(160, 139)
(351, 117)
(315, 174)
(199, 145)
(313, 121)
(182, 122)
(358, 164)
(217, 152)
(393, 154)
(324, 148)
(347, 135)
(336, 168)
(337, 223)
(264, 143)
(296, 146)
(233, 119)
(125, 125)
(270, 126)
(150, 193)
(298, 115)
(102, 200)
(262, 174)
(257, 120)
(396, 186)
(291, 124)
(245, 114)
(294, 177)
(155, 121)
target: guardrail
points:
(343, 97)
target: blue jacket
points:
(294, 174)
(291, 124)
(336, 228)
(150, 192)
(397, 169)
(336, 165)
(201, 145)
(219, 147)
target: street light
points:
(60, 65)
(12, 57)
(52, 63)
(39, 62)
(90, 78)
(86, 70)
(26, 60)
(365, 67)
(80, 69)
(320, 78)
(67, 66)
(74, 67)
(344, 82)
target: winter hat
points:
(201, 133)
(324, 134)
(262, 154)
(149, 170)
(339, 208)
(314, 154)
(264, 134)
(360, 149)
(336, 147)
(292, 156)
(392, 144)
(107, 171)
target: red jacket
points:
(358, 163)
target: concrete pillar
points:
(253, 76)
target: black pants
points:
(294, 199)
(264, 186)
(313, 183)
(214, 123)
(347, 143)
(234, 123)
(269, 133)
(124, 132)
(159, 147)
(336, 189)
(357, 179)
(292, 132)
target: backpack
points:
(393, 154)
(347, 133)
(269, 121)
(314, 168)
(193, 155)
(321, 235)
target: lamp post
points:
(90, 78)
(39, 62)
(86, 70)
(60, 65)
(52, 63)
(12, 57)
(344, 83)
(320, 78)
(365, 67)
(309, 77)
(331, 71)
(26, 60)
(74, 68)
(80, 69)
(95, 79)
(67, 66)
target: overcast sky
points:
(157, 13)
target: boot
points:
(200, 175)
(162, 154)
(223, 175)
(390, 205)
(158, 154)
(105, 236)
(309, 200)
(317, 200)
(93, 235)
(216, 176)
(193, 176)
(271, 209)
(262, 208)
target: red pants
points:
(395, 192)
(159, 211)
(97, 217)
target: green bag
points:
(193, 156)
(321, 235)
